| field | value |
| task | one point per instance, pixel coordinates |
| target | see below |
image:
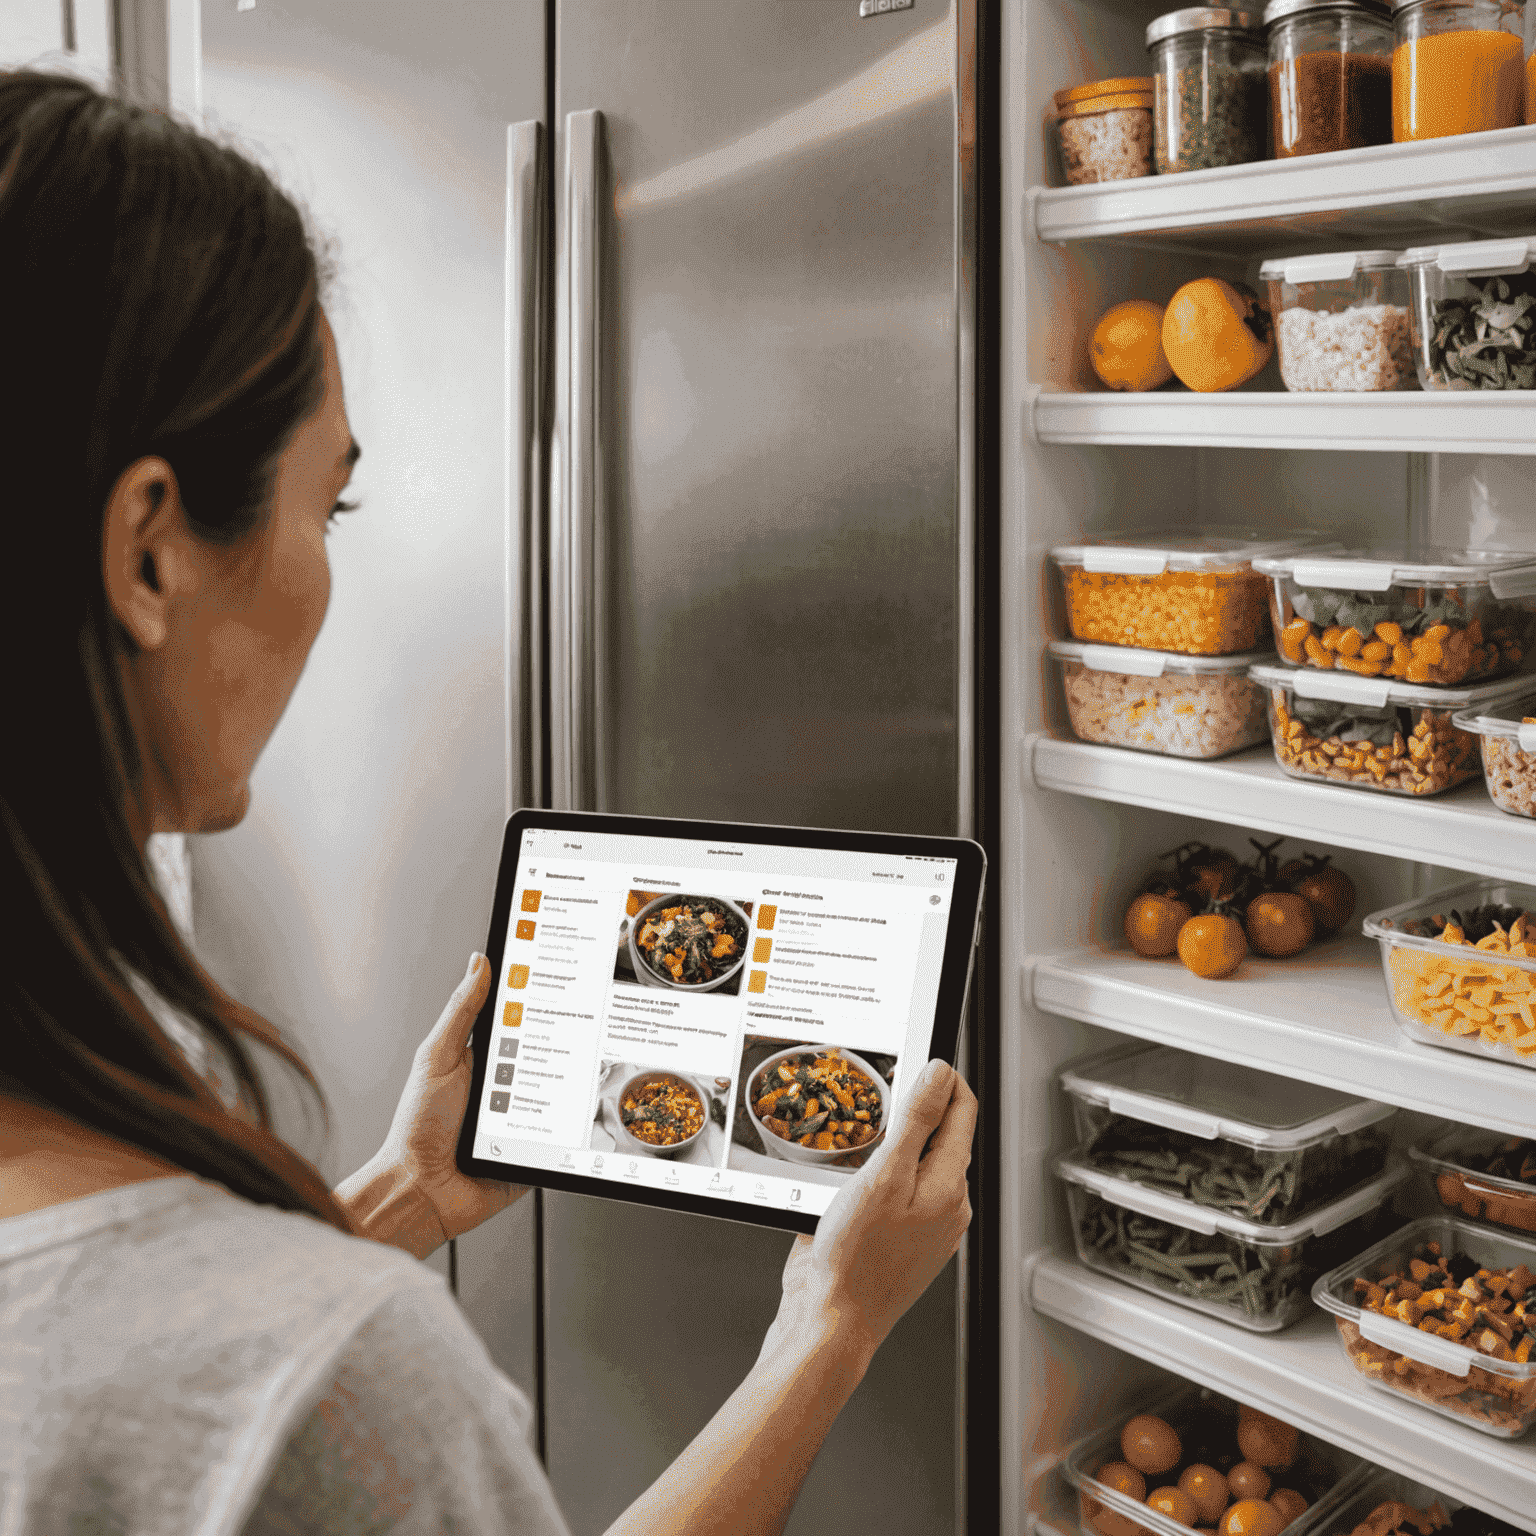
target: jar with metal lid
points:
(1104, 130)
(1459, 67)
(1209, 88)
(1330, 75)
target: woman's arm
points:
(881, 1243)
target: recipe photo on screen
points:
(730, 1020)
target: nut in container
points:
(1506, 736)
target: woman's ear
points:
(147, 561)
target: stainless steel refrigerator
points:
(659, 324)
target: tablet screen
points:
(735, 1020)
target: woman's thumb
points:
(923, 1110)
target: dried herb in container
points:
(1210, 106)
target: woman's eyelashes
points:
(337, 510)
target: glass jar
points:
(1209, 88)
(1458, 67)
(1330, 75)
(1105, 138)
(1472, 313)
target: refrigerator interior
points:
(1071, 861)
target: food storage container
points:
(1104, 129)
(1472, 314)
(1341, 321)
(1330, 75)
(1457, 992)
(1382, 1487)
(1243, 1272)
(1268, 1149)
(1461, 1377)
(1507, 737)
(1482, 1175)
(1369, 732)
(1458, 67)
(1157, 701)
(1209, 88)
(1192, 590)
(1439, 616)
(1205, 1423)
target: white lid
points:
(1510, 573)
(1212, 1099)
(1379, 692)
(1138, 663)
(1507, 719)
(1474, 258)
(1332, 267)
(1185, 548)
(1180, 1212)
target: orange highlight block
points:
(761, 950)
(512, 1015)
(531, 900)
(766, 915)
(517, 977)
(757, 981)
(525, 929)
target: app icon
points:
(495, 1149)
(633, 1165)
(508, 1047)
(527, 928)
(512, 1015)
(500, 1103)
(794, 1196)
(504, 1074)
(517, 977)
(567, 1161)
(597, 1162)
(531, 900)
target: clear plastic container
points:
(1206, 1425)
(1266, 1148)
(1192, 590)
(1104, 130)
(1155, 701)
(1369, 732)
(1458, 67)
(1507, 738)
(1383, 1487)
(1240, 1271)
(1460, 1380)
(1341, 321)
(1330, 75)
(1210, 89)
(1443, 617)
(1453, 1164)
(1472, 314)
(1482, 1001)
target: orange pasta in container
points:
(1458, 67)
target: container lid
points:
(1379, 692)
(1278, 10)
(1335, 1292)
(1388, 923)
(1335, 266)
(1131, 101)
(1138, 663)
(1120, 85)
(1185, 548)
(1511, 573)
(1199, 19)
(1473, 258)
(1212, 1099)
(1179, 1212)
(1513, 718)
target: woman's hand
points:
(897, 1222)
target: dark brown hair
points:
(162, 299)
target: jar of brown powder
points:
(1330, 74)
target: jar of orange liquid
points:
(1458, 67)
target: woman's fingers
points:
(920, 1116)
(444, 1047)
(950, 1154)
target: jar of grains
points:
(1458, 67)
(1209, 89)
(1104, 130)
(1330, 74)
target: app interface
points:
(736, 1021)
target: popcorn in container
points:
(1477, 996)
(1457, 1372)
(1433, 615)
(1507, 738)
(1159, 701)
(1190, 589)
(1472, 312)
(1453, 1164)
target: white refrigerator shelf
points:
(1443, 421)
(1301, 1376)
(1461, 830)
(1388, 195)
(1322, 1015)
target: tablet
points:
(712, 1017)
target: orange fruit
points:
(1150, 1444)
(1208, 1488)
(1252, 1517)
(1267, 1442)
(1174, 1503)
(1290, 1504)
(1152, 924)
(1212, 945)
(1123, 1478)
(1216, 334)
(1126, 348)
(1249, 1482)
(1279, 923)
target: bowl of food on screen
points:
(659, 1114)
(688, 943)
(818, 1104)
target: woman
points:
(195, 1333)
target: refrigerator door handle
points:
(524, 374)
(578, 575)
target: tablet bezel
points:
(949, 1009)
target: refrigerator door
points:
(757, 606)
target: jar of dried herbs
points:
(1210, 103)
(1472, 314)
(1330, 75)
